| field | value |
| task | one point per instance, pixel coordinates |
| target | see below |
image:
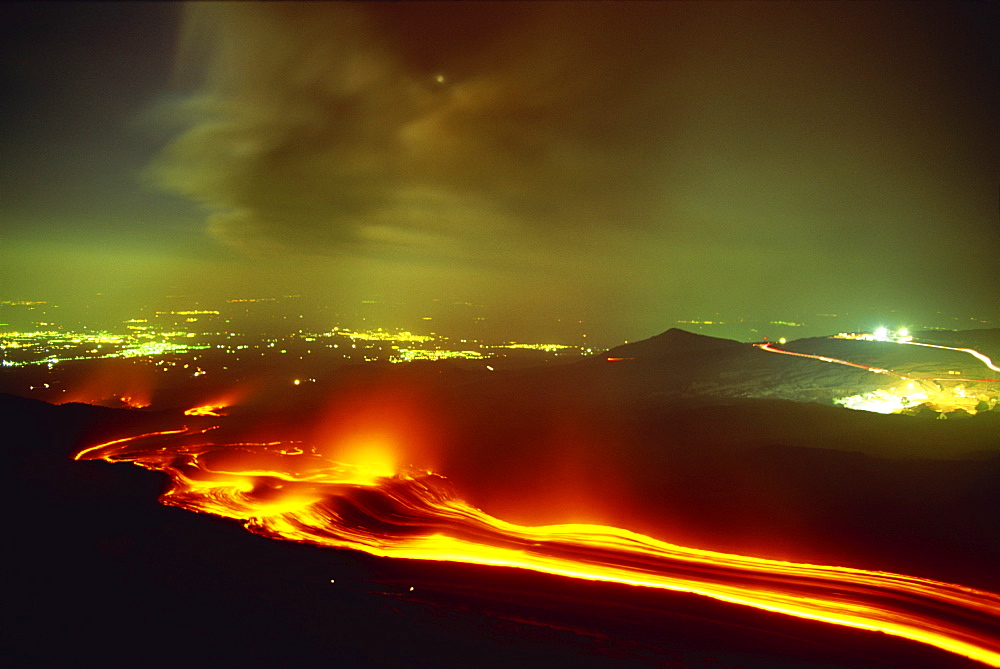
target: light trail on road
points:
(769, 347)
(971, 351)
(877, 370)
(294, 492)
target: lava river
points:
(289, 491)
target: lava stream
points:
(293, 492)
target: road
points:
(769, 347)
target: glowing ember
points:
(207, 410)
(134, 402)
(289, 491)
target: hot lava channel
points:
(291, 491)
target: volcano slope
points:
(633, 443)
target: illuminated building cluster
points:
(51, 347)
(942, 396)
(379, 335)
(550, 348)
(411, 354)
(914, 396)
(250, 339)
(880, 334)
(220, 340)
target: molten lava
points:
(295, 492)
(207, 410)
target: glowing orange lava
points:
(134, 402)
(207, 410)
(295, 492)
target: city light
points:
(172, 334)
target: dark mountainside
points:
(672, 342)
(104, 575)
(793, 480)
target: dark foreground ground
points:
(102, 575)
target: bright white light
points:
(903, 333)
(881, 334)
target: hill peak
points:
(671, 342)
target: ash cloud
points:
(427, 129)
(646, 153)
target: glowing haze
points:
(631, 164)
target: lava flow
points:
(207, 410)
(294, 492)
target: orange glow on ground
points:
(380, 430)
(135, 402)
(371, 451)
(114, 401)
(207, 410)
(217, 404)
(298, 493)
(113, 383)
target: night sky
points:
(626, 164)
